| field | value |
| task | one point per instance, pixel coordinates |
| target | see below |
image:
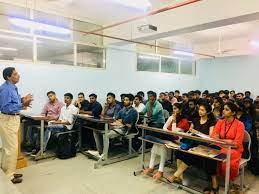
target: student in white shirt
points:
(138, 105)
(65, 121)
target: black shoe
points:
(17, 175)
(16, 180)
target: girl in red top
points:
(230, 130)
(174, 122)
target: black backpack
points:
(66, 146)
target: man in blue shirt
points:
(11, 104)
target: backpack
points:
(66, 146)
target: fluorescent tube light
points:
(183, 53)
(24, 23)
(8, 49)
(138, 4)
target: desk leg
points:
(227, 170)
(80, 136)
(41, 136)
(143, 149)
(106, 142)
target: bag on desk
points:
(66, 146)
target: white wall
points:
(239, 73)
(119, 77)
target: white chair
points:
(244, 161)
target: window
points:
(89, 56)
(15, 47)
(55, 52)
(148, 63)
(186, 67)
(169, 65)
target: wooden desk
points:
(195, 138)
(106, 159)
(42, 120)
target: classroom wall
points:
(120, 76)
(239, 73)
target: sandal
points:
(215, 191)
(174, 179)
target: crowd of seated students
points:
(208, 113)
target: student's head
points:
(196, 94)
(232, 93)
(225, 99)
(51, 96)
(81, 97)
(204, 109)
(93, 98)
(11, 75)
(221, 93)
(247, 94)
(171, 94)
(230, 110)
(110, 98)
(68, 97)
(205, 94)
(248, 103)
(192, 104)
(137, 100)
(218, 102)
(257, 102)
(152, 97)
(122, 97)
(128, 100)
(176, 93)
(177, 108)
(185, 97)
(226, 92)
(239, 96)
(167, 96)
(162, 96)
(141, 93)
(191, 95)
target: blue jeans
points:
(49, 130)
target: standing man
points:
(11, 104)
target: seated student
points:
(165, 103)
(225, 99)
(177, 95)
(218, 106)
(205, 94)
(197, 96)
(137, 104)
(239, 97)
(65, 121)
(95, 108)
(203, 125)
(174, 122)
(221, 93)
(110, 108)
(232, 94)
(192, 113)
(172, 98)
(154, 110)
(244, 117)
(230, 130)
(125, 120)
(51, 110)
(142, 94)
(248, 94)
(81, 103)
(185, 102)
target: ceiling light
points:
(8, 49)
(2, 36)
(138, 4)
(24, 23)
(189, 54)
(254, 43)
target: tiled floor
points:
(77, 176)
